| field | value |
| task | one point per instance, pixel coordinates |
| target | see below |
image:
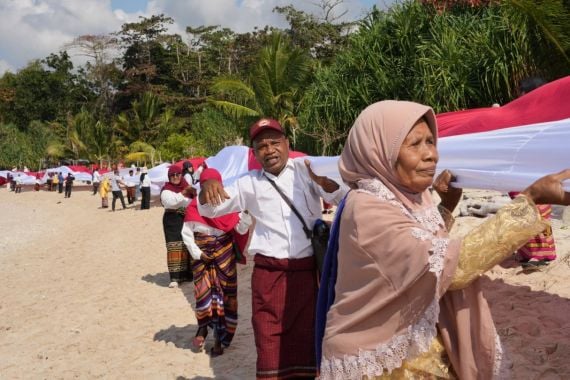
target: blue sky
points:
(129, 6)
(33, 29)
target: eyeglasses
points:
(175, 175)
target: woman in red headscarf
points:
(214, 244)
(175, 197)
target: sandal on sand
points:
(534, 265)
(214, 352)
(198, 341)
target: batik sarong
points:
(177, 256)
(215, 286)
(284, 293)
(540, 247)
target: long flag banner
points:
(497, 148)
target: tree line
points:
(146, 96)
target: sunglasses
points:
(175, 175)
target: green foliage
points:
(147, 121)
(215, 131)
(44, 90)
(23, 148)
(324, 38)
(169, 97)
(179, 146)
(465, 58)
(274, 89)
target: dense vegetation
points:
(148, 96)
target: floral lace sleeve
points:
(496, 239)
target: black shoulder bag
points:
(319, 236)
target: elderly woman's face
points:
(417, 158)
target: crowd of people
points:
(360, 321)
(397, 297)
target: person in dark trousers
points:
(60, 183)
(145, 189)
(96, 180)
(68, 184)
(116, 181)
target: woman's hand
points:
(205, 259)
(549, 190)
(449, 195)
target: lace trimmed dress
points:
(401, 285)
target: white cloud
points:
(33, 29)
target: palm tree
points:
(142, 152)
(140, 124)
(273, 89)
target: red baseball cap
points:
(262, 125)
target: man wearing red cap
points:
(284, 283)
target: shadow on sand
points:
(160, 279)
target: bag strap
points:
(308, 232)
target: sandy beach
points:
(85, 295)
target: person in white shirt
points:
(131, 183)
(214, 244)
(18, 184)
(284, 282)
(175, 197)
(96, 181)
(188, 173)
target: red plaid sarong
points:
(284, 294)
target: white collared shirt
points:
(278, 231)
(192, 226)
(171, 200)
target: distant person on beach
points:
(96, 180)
(104, 189)
(212, 243)
(11, 181)
(175, 196)
(284, 279)
(116, 183)
(399, 298)
(131, 184)
(188, 173)
(145, 189)
(138, 186)
(18, 184)
(56, 184)
(49, 181)
(69, 184)
(60, 181)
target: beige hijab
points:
(465, 323)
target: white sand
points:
(86, 295)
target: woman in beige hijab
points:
(408, 302)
